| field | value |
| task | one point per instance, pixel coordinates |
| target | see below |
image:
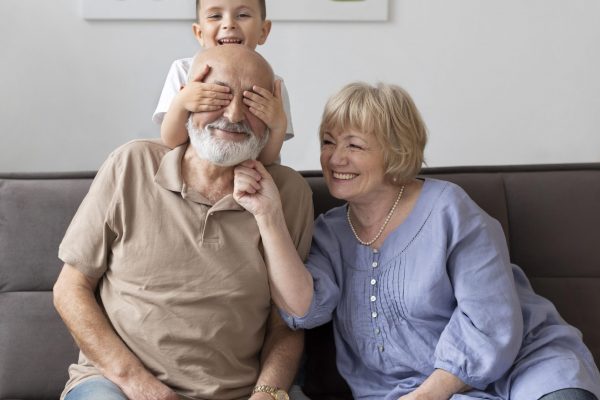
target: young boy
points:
(221, 22)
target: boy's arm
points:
(196, 96)
(173, 130)
(269, 108)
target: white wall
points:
(498, 81)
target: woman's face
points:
(352, 164)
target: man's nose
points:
(234, 112)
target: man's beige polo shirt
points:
(183, 282)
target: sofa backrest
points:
(550, 215)
(35, 346)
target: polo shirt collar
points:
(169, 171)
(169, 177)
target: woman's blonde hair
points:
(387, 112)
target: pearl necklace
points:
(387, 220)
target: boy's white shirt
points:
(178, 77)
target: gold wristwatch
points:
(276, 393)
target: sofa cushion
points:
(35, 347)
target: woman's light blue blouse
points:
(440, 293)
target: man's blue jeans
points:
(102, 389)
(96, 389)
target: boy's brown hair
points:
(261, 4)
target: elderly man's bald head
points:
(238, 61)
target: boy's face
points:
(231, 21)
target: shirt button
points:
(377, 331)
(380, 349)
(375, 251)
(374, 314)
(374, 265)
(373, 281)
(373, 298)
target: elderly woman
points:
(415, 276)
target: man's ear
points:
(198, 33)
(264, 34)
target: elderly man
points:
(164, 286)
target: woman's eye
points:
(214, 16)
(355, 146)
(326, 142)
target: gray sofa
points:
(550, 215)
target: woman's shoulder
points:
(450, 203)
(332, 221)
(445, 193)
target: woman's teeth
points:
(339, 175)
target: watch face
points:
(281, 395)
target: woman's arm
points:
(291, 283)
(484, 333)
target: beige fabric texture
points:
(183, 282)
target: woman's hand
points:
(254, 189)
(440, 385)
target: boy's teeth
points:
(230, 41)
(338, 175)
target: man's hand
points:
(254, 189)
(198, 96)
(261, 396)
(268, 107)
(145, 386)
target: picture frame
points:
(327, 10)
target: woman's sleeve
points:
(323, 263)
(484, 334)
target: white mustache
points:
(224, 124)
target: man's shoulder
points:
(139, 151)
(140, 146)
(288, 179)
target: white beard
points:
(225, 153)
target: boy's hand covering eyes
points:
(267, 106)
(198, 96)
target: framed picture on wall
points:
(327, 10)
(277, 10)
